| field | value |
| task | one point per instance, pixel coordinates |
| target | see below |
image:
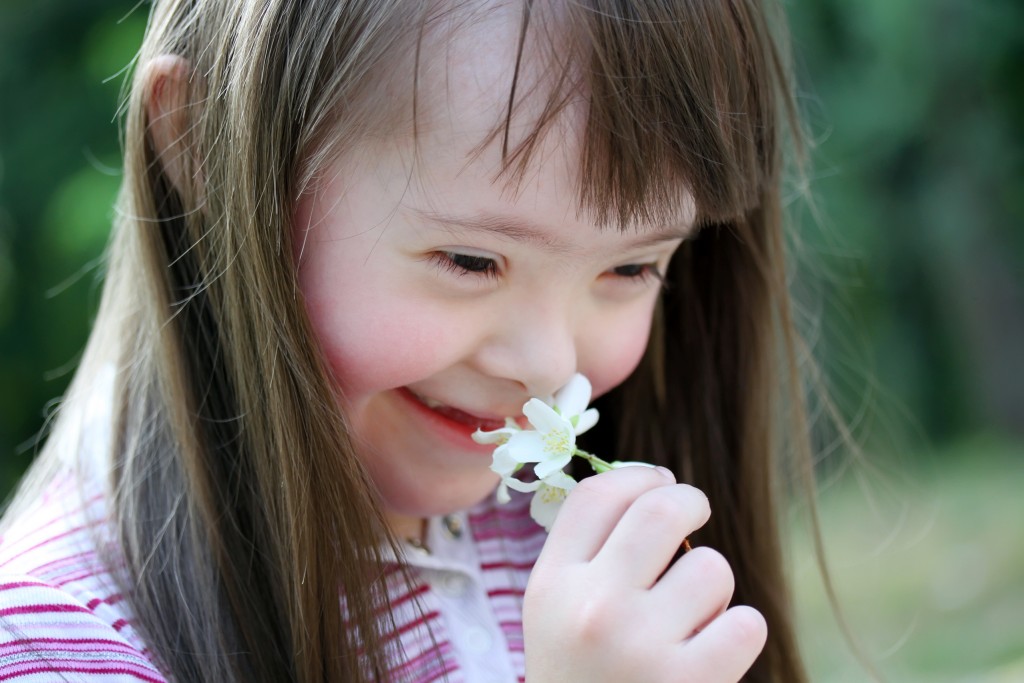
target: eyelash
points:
(466, 264)
(643, 272)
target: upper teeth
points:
(429, 402)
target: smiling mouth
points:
(454, 414)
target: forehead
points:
(484, 87)
(484, 81)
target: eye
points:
(465, 264)
(639, 272)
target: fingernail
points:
(665, 472)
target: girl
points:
(352, 233)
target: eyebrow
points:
(525, 231)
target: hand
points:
(598, 607)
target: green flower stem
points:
(597, 463)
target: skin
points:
(384, 242)
(389, 295)
(428, 282)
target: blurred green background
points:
(914, 267)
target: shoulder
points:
(47, 632)
(61, 613)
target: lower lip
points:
(457, 433)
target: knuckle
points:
(673, 503)
(591, 492)
(593, 623)
(659, 506)
(624, 482)
(592, 487)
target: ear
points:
(166, 88)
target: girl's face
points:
(443, 301)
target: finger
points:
(726, 649)
(693, 592)
(650, 532)
(593, 508)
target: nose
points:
(535, 347)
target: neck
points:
(413, 529)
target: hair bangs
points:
(676, 109)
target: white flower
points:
(548, 494)
(549, 497)
(552, 441)
(551, 444)
(502, 463)
(505, 467)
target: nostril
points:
(538, 356)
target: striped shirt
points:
(63, 618)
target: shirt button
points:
(453, 525)
(453, 585)
(478, 640)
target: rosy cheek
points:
(373, 345)
(616, 357)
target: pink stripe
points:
(96, 602)
(32, 531)
(499, 512)
(415, 593)
(527, 552)
(55, 667)
(494, 549)
(43, 568)
(88, 502)
(391, 569)
(419, 640)
(442, 664)
(523, 546)
(72, 644)
(59, 485)
(23, 584)
(414, 624)
(59, 658)
(45, 542)
(41, 609)
(511, 535)
(509, 525)
(517, 534)
(510, 612)
(522, 566)
(72, 576)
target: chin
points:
(417, 501)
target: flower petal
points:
(502, 462)
(561, 480)
(546, 503)
(500, 435)
(502, 493)
(587, 419)
(519, 485)
(548, 467)
(543, 417)
(573, 398)
(526, 446)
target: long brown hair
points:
(241, 510)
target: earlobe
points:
(167, 88)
